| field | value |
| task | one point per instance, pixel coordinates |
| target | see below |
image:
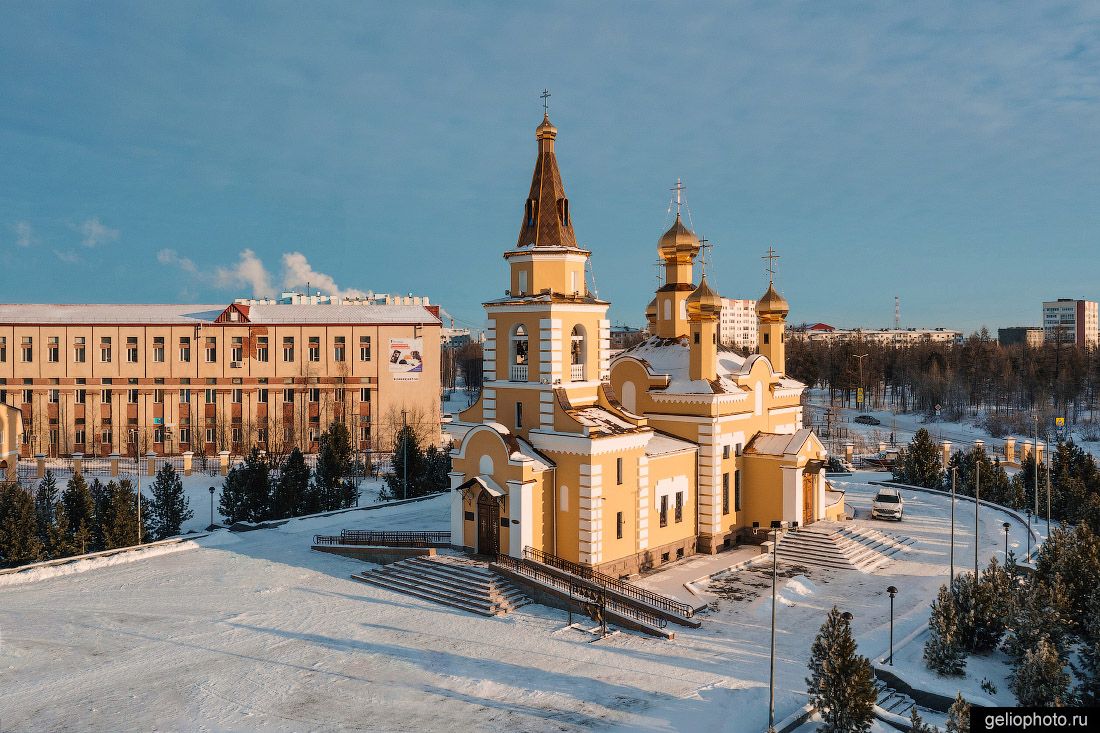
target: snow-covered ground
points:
(254, 631)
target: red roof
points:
(821, 327)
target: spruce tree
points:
(1040, 679)
(841, 682)
(1087, 670)
(19, 541)
(100, 499)
(120, 516)
(943, 652)
(332, 480)
(246, 492)
(437, 463)
(80, 511)
(917, 724)
(920, 463)
(45, 499)
(59, 536)
(958, 716)
(170, 507)
(408, 461)
(289, 495)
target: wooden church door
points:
(488, 524)
(807, 499)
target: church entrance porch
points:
(488, 524)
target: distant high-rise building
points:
(1028, 335)
(1069, 321)
(737, 325)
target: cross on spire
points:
(679, 189)
(771, 269)
(704, 245)
(545, 104)
(658, 266)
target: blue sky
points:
(948, 153)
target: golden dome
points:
(772, 303)
(546, 129)
(703, 302)
(651, 310)
(677, 240)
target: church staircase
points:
(841, 547)
(456, 582)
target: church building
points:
(675, 447)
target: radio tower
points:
(897, 313)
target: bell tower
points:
(677, 248)
(704, 307)
(771, 312)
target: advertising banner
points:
(406, 362)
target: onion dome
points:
(546, 129)
(772, 304)
(678, 240)
(651, 312)
(703, 303)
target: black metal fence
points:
(622, 587)
(541, 576)
(384, 539)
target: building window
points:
(576, 354)
(314, 348)
(737, 491)
(79, 352)
(158, 396)
(185, 349)
(364, 348)
(79, 436)
(314, 394)
(338, 349)
(55, 396)
(132, 396)
(27, 395)
(618, 525)
(53, 350)
(185, 436)
(664, 510)
(288, 396)
(158, 435)
(185, 396)
(236, 435)
(131, 350)
(238, 396)
(211, 396)
(105, 350)
(28, 349)
(519, 346)
(364, 394)
(679, 506)
(725, 452)
(81, 396)
(314, 433)
(211, 349)
(210, 435)
(158, 349)
(261, 348)
(105, 396)
(261, 395)
(519, 415)
(725, 494)
(106, 437)
(339, 394)
(237, 350)
(288, 348)
(3, 348)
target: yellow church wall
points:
(557, 271)
(761, 490)
(619, 497)
(506, 324)
(672, 468)
(566, 515)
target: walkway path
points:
(670, 581)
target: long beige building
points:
(102, 379)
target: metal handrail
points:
(629, 590)
(384, 539)
(523, 567)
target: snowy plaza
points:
(254, 631)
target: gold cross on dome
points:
(771, 269)
(704, 245)
(545, 105)
(679, 189)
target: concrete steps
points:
(841, 547)
(455, 582)
(893, 701)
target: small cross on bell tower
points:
(771, 257)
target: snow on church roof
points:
(671, 357)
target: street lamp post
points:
(1049, 461)
(977, 503)
(211, 508)
(893, 592)
(954, 479)
(1029, 534)
(1006, 526)
(860, 358)
(776, 527)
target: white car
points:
(887, 504)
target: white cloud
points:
(297, 273)
(96, 233)
(68, 257)
(249, 271)
(24, 234)
(171, 257)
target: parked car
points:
(867, 420)
(887, 504)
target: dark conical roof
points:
(546, 218)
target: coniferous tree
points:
(19, 541)
(1043, 611)
(246, 492)
(120, 516)
(45, 499)
(80, 511)
(59, 536)
(1087, 671)
(170, 507)
(958, 716)
(408, 462)
(1040, 680)
(289, 495)
(920, 463)
(437, 466)
(100, 498)
(943, 652)
(333, 484)
(841, 682)
(917, 724)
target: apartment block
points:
(737, 323)
(1069, 321)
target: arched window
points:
(517, 363)
(563, 498)
(577, 348)
(485, 466)
(668, 310)
(630, 396)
